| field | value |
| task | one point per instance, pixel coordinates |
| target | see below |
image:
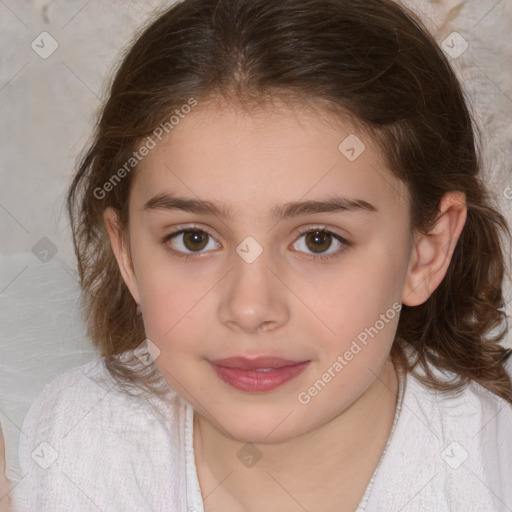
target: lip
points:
(241, 373)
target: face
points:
(257, 277)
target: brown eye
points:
(188, 241)
(318, 241)
(195, 240)
(321, 243)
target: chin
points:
(259, 435)
(258, 428)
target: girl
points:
(292, 272)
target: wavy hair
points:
(371, 59)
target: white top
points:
(88, 446)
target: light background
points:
(47, 113)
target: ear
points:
(432, 253)
(121, 251)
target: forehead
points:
(263, 157)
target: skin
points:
(286, 303)
(5, 485)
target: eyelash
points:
(321, 257)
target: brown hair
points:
(372, 59)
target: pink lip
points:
(241, 373)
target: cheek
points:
(168, 286)
(173, 307)
(172, 294)
(353, 294)
(362, 316)
(175, 321)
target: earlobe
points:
(121, 251)
(432, 252)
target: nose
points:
(253, 299)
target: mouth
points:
(259, 374)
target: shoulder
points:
(451, 450)
(84, 436)
(473, 411)
(472, 407)
(472, 423)
(89, 393)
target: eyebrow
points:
(332, 204)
